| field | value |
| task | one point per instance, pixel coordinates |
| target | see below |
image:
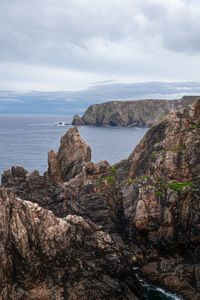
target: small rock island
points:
(77, 231)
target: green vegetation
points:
(153, 155)
(159, 193)
(108, 186)
(151, 182)
(109, 180)
(180, 147)
(194, 126)
(177, 148)
(179, 186)
(154, 182)
(129, 181)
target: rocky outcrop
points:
(44, 257)
(81, 195)
(140, 113)
(77, 121)
(147, 208)
(72, 155)
(162, 201)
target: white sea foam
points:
(152, 287)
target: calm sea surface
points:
(26, 139)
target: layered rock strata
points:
(43, 257)
(79, 253)
(140, 113)
(72, 155)
(162, 201)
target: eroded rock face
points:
(72, 155)
(162, 201)
(77, 121)
(140, 113)
(44, 257)
(150, 212)
(80, 195)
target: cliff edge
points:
(140, 113)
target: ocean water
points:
(153, 292)
(26, 139)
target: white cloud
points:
(26, 77)
(60, 44)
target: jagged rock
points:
(18, 173)
(140, 113)
(153, 221)
(44, 257)
(54, 172)
(80, 195)
(77, 121)
(162, 200)
(72, 155)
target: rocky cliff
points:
(44, 257)
(64, 254)
(162, 201)
(76, 234)
(141, 113)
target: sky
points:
(92, 46)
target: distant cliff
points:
(141, 113)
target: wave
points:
(153, 292)
(42, 124)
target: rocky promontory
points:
(77, 231)
(60, 236)
(162, 201)
(140, 113)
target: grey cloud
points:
(58, 31)
(102, 82)
(112, 91)
(126, 40)
(32, 30)
(176, 22)
(11, 100)
(77, 101)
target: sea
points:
(26, 139)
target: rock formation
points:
(162, 201)
(140, 113)
(86, 225)
(72, 155)
(77, 121)
(68, 256)
(44, 257)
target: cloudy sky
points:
(71, 45)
